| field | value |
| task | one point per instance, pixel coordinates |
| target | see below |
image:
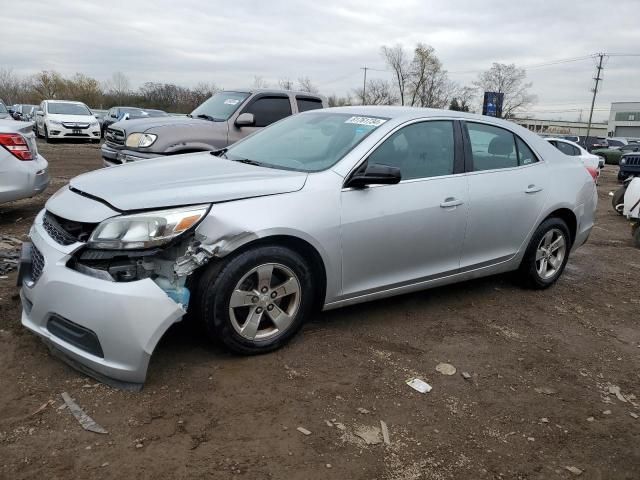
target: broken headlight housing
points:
(145, 230)
(140, 140)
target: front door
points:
(394, 235)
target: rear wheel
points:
(546, 255)
(617, 201)
(257, 301)
(635, 232)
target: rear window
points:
(305, 104)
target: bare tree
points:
(398, 60)
(509, 80)
(306, 85)
(260, 82)
(285, 84)
(118, 86)
(462, 98)
(379, 92)
(48, 84)
(11, 86)
(428, 84)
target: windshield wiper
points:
(207, 117)
(220, 152)
(247, 161)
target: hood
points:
(184, 180)
(145, 124)
(71, 118)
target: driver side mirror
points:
(245, 120)
(375, 174)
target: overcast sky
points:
(227, 43)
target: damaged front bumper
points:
(106, 329)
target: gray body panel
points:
(373, 243)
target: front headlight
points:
(55, 122)
(141, 140)
(623, 161)
(94, 123)
(145, 230)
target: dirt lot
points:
(538, 400)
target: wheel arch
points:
(569, 217)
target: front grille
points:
(37, 263)
(114, 136)
(632, 160)
(81, 126)
(66, 232)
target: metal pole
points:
(364, 85)
(593, 100)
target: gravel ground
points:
(542, 367)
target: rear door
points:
(395, 235)
(507, 191)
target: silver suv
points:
(222, 120)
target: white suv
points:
(65, 119)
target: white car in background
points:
(63, 119)
(592, 162)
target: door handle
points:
(451, 202)
(533, 189)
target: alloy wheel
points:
(265, 301)
(550, 253)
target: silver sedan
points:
(23, 173)
(320, 210)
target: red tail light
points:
(16, 145)
(594, 172)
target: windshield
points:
(308, 142)
(68, 109)
(221, 106)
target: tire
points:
(38, 131)
(231, 325)
(635, 232)
(46, 135)
(618, 199)
(529, 272)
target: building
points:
(562, 127)
(624, 120)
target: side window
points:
(525, 155)
(267, 110)
(419, 150)
(491, 147)
(305, 104)
(568, 149)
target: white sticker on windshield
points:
(370, 121)
(231, 101)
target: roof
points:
(64, 101)
(272, 90)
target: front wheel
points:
(46, 135)
(258, 300)
(546, 255)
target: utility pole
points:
(364, 84)
(597, 78)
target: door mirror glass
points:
(245, 120)
(374, 174)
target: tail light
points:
(594, 172)
(17, 145)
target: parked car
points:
(4, 112)
(116, 114)
(592, 143)
(629, 165)
(23, 173)
(592, 162)
(99, 114)
(321, 210)
(23, 112)
(64, 119)
(612, 155)
(220, 121)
